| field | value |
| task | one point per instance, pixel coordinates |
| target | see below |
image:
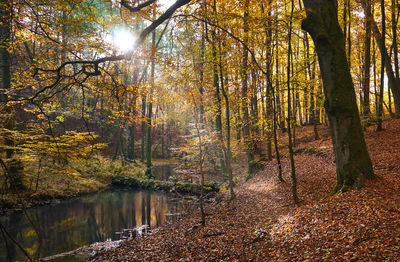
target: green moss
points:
(180, 186)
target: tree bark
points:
(227, 148)
(150, 103)
(394, 32)
(291, 153)
(143, 133)
(5, 63)
(379, 112)
(269, 92)
(275, 114)
(353, 164)
(15, 167)
(202, 60)
(349, 34)
(367, 64)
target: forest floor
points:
(263, 224)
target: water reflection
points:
(74, 223)
(163, 172)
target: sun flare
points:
(123, 40)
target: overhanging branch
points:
(165, 16)
(138, 7)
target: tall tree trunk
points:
(349, 33)
(394, 43)
(280, 115)
(345, 22)
(227, 148)
(269, 92)
(202, 60)
(353, 164)
(143, 149)
(395, 52)
(5, 63)
(14, 165)
(291, 153)
(383, 61)
(254, 127)
(144, 122)
(306, 94)
(375, 88)
(367, 64)
(314, 102)
(150, 103)
(294, 99)
(275, 113)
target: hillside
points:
(262, 224)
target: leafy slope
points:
(263, 225)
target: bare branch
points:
(138, 7)
(170, 11)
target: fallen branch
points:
(213, 234)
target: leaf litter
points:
(263, 224)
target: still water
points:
(74, 223)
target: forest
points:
(199, 130)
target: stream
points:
(74, 223)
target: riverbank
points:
(91, 176)
(263, 224)
(55, 182)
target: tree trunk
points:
(269, 92)
(394, 43)
(311, 71)
(15, 167)
(291, 153)
(254, 127)
(345, 22)
(202, 60)
(367, 64)
(5, 34)
(227, 148)
(150, 104)
(379, 113)
(374, 64)
(143, 149)
(353, 164)
(280, 115)
(349, 33)
(275, 113)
